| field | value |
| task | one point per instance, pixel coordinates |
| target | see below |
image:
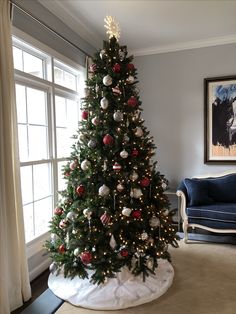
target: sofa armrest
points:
(182, 197)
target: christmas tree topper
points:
(113, 28)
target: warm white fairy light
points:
(113, 28)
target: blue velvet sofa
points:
(209, 202)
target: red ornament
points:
(62, 248)
(134, 152)
(84, 115)
(86, 257)
(80, 190)
(58, 211)
(124, 252)
(93, 68)
(63, 224)
(108, 139)
(136, 214)
(117, 167)
(130, 66)
(73, 165)
(105, 218)
(144, 182)
(116, 68)
(67, 173)
(132, 101)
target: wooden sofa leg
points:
(185, 230)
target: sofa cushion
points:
(223, 189)
(197, 190)
(219, 215)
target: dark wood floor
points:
(38, 286)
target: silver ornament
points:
(52, 267)
(54, 237)
(112, 242)
(71, 216)
(92, 143)
(102, 53)
(154, 222)
(85, 164)
(87, 213)
(164, 186)
(126, 211)
(86, 91)
(104, 190)
(107, 80)
(133, 176)
(118, 116)
(144, 236)
(121, 55)
(136, 193)
(138, 132)
(82, 137)
(126, 138)
(124, 154)
(165, 211)
(104, 103)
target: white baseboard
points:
(36, 271)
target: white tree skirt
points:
(121, 292)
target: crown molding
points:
(216, 41)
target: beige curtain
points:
(14, 279)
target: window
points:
(47, 99)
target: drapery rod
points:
(49, 28)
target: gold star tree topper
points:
(113, 28)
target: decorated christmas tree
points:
(113, 212)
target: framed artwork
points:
(220, 119)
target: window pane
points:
(26, 184)
(21, 103)
(69, 80)
(42, 181)
(17, 57)
(23, 142)
(33, 65)
(38, 147)
(36, 102)
(58, 76)
(72, 115)
(63, 143)
(29, 222)
(61, 180)
(60, 104)
(43, 214)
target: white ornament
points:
(144, 236)
(126, 211)
(126, 138)
(104, 103)
(87, 213)
(107, 80)
(76, 252)
(82, 137)
(112, 242)
(165, 211)
(118, 116)
(120, 187)
(52, 267)
(54, 237)
(95, 121)
(92, 143)
(121, 55)
(154, 222)
(136, 193)
(124, 154)
(133, 176)
(71, 216)
(138, 132)
(85, 164)
(104, 190)
(130, 79)
(102, 53)
(86, 92)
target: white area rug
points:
(118, 293)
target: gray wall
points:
(171, 90)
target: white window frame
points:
(52, 89)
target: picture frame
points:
(220, 119)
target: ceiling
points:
(149, 27)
